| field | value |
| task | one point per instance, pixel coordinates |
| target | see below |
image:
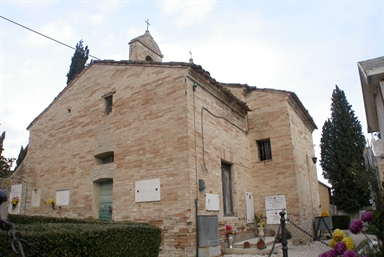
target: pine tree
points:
(79, 59)
(342, 155)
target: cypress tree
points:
(22, 154)
(342, 155)
(5, 163)
(79, 59)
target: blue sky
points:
(306, 47)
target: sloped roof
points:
(147, 41)
(197, 68)
(371, 73)
(372, 69)
(295, 98)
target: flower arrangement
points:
(15, 200)
(279, 236)
(324, 214)
(228, 230)
(260, 220)
(51, 201)
(343, 245)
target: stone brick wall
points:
(277, 116)
(163, 127)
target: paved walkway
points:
(313, 249)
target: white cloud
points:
(109, 5)
(96, 19)
(188, 12)
(56, 30)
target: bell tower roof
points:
(144, 48)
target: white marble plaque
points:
(36, 194)
(62, 197)
(147, 190)
(275, 202)
(250, 207)
(273, 217)
(212, 202)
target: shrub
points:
(71, 237)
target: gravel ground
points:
(313, 249)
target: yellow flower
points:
(324, 214)
(338, 235)
(51, 201)
(332, 243)
(349, 242)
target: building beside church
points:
(165, 143)
(371, 74)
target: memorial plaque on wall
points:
(275, 202)
(273, 217)
(62, 197)
(274, 205)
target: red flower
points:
(228, 229)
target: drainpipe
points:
(194, 86)
(197, 228)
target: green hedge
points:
(341, 221)
(71, 237)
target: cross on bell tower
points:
(190, 57)
(147, 21)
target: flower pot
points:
(260, 245)
(261, 231)
(231, 238)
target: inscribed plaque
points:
(275, 202)
(62, 197)
(273, 217)
(36, 193)
(250, 207)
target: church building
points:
(165, 143)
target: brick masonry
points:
(159, 129)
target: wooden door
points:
(106, 200)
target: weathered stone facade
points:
(172, 122)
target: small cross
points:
(190, 54)
(147, 21)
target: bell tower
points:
(144, 48)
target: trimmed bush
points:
(70, 237)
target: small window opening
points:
(264, 148)
(149, 58)
(108, 104)
(105, 158)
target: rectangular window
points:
(227, 188)
(264, 148)
(108, 104)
